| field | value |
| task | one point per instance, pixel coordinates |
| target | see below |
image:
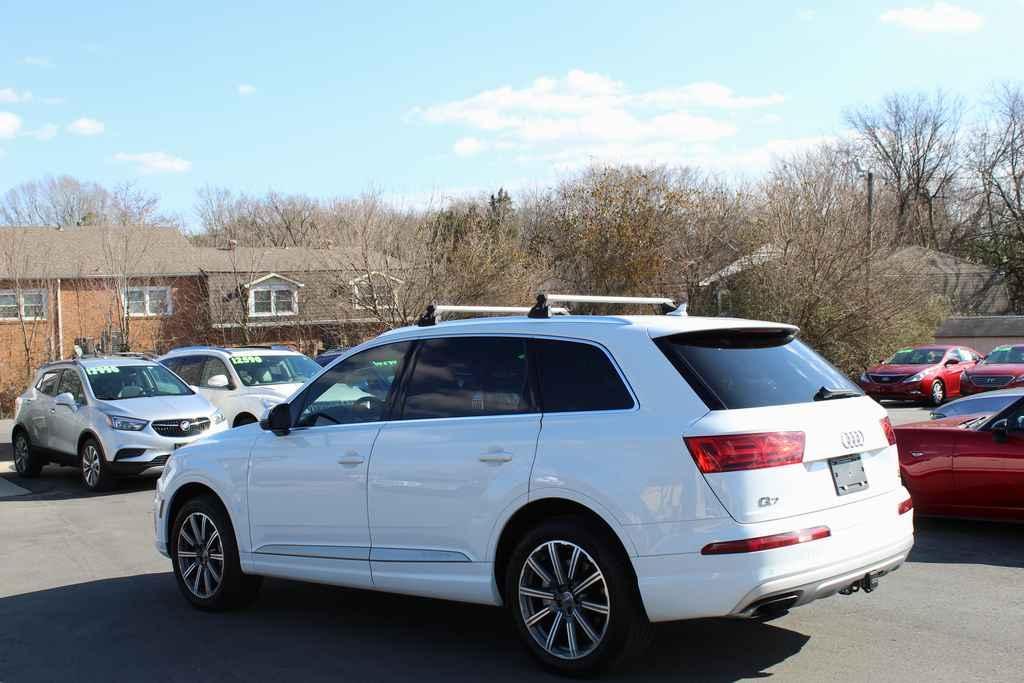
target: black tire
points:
(27, 462)
(243, 419)
(92, 465)
(235, 588)
(624, 631)
(938, 396)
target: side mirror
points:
(1000, 431)
(952, 361)
(279, 419)
(881, 361)
(218, 382)
(67, 399)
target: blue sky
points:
(435, 99)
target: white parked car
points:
(242, 382)
(591, 474)
(109, 416)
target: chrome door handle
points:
(917, 454)
(53, 410)
(496, 456)
(351, 458)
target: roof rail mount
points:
(428, 318)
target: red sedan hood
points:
(1014, 369)
(899, 369)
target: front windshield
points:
(916, 357)
(1005, 354)
(256, 370)
(119, 382)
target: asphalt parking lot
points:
(84, 596)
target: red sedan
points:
(925, 373)
(1003, 368)
(966, 466)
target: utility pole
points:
(870, 177)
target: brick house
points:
(150, 289)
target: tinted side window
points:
(48, 384)
(575, 377)
(71, 383)
(211, 368)
(355, 390)
(468, 377)
(189, 368)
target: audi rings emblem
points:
(854, 439)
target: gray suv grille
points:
(196, 425)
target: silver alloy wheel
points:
(200, 555)
(938, 393)
(564, 600)
(21, 453)
(91, 465)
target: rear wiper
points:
(826, 394)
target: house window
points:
(375, 291)
(273, 300)
(148, 301)
(30, 302)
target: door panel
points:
(926, 457)
(307, 498)
(989, 474)
(66, 424)
(43, 406)
(439, 485)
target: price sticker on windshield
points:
(246, 360)
(102, 370)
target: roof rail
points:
(436, 312)
(665, 305)
(189, 347)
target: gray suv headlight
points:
(127, 424)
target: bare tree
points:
(912, 139)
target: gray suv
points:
(109, 416)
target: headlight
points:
(1019, 379)
(864, 378)
(217, 417)
(918, 377)
(127, 424)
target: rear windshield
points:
(732, 369)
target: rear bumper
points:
(868, 536)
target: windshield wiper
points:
(826, 394)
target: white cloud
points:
(10, 124)
(86, 126)
(44, 133)
(12, 96)
(467, 147)
(155, 162)
(941, 17)
(585, 117)
(43, 62)
(246, 89)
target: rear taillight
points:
(906, 506)
(753, 545)
(732, 452)
(890, 433)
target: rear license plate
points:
(848, 474)
(179, 445)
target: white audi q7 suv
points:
(109, 416)
(592, 474)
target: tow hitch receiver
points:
(867, 584)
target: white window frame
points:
(19, 300)
(146, 291)
(272, 288)
(380, 305)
